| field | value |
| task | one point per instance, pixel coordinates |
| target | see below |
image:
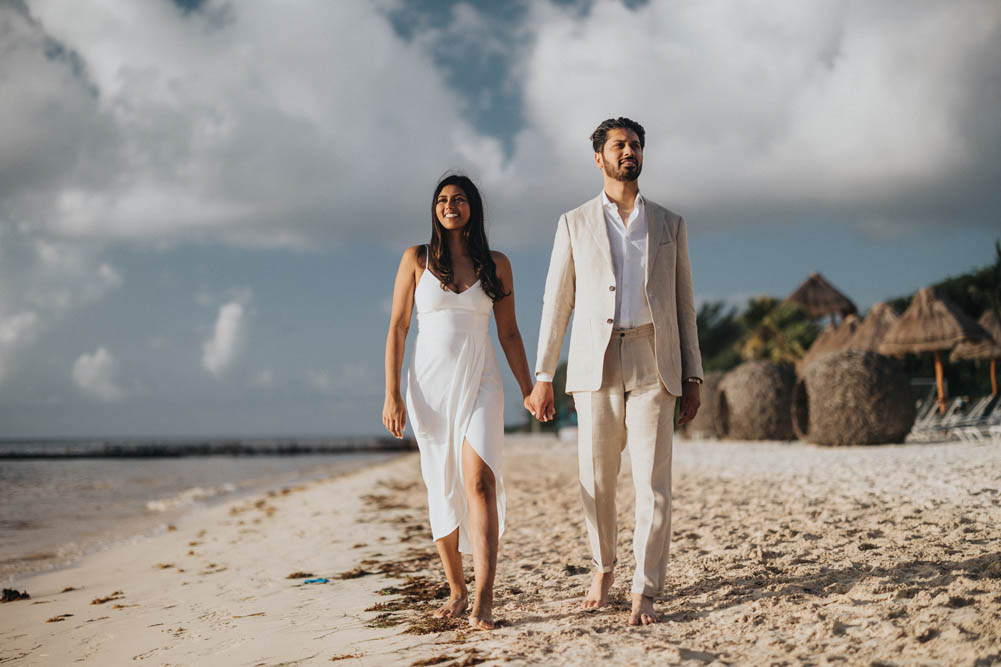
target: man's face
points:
(621, 158)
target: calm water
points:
(55, 510)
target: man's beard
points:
(624, 174)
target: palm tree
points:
(776, 331)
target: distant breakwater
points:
(141, 448)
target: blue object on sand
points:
(317, 581)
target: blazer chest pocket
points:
(665, 242)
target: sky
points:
(203, 203)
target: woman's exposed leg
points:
(451, 559)
(481, 494)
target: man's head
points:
(618, 148)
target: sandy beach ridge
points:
(782, 553)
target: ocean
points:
(63, 499)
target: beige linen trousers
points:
(624, 383)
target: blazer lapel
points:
(595, 218)
(656, 228)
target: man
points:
(621, 262)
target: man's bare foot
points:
(642, 613)
(482, 615)
(597, 596)
(454, 608)
(481, 621)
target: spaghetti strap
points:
(427, 257)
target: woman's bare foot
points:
(642, 613)
(597, 596)
(454, 608)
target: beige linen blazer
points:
(581, 280)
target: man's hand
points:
(690, 402)
(540, 401)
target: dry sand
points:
(782, 554)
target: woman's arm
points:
(507, 327)
(394, 412)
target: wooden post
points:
(994, 377)
(939, 382)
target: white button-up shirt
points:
(628, 244)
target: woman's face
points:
(452, 207)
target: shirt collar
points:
(605, 201)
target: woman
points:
(454, 394)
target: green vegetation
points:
(767, 329)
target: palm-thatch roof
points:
(753, 402)
(820, 297)
(832, 338)
(932, 322)
(853, 397)
(986, 349)
(878, 321)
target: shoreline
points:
(782, 552)
(180, 506)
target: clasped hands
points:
(540, 402)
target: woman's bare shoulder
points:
(414, 256)
(500, 259)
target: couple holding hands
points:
(621, 262)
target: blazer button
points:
(611, 288)
(609, 321)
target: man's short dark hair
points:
(600, 135)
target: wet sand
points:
(782, 553)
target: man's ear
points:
(599, 161)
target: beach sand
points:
(782, 553)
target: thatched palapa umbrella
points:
(820, 298)
(754, 402)
(852, 397)
(831, 339)
(877, 323)
(986, 349)
(931, 323)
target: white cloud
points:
(41, 280)
(217, 126)
(763, 111)
(15, 331)
(221, 350)
(149, 124)
(97, 375)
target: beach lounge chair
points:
(937, 426)
(976, 423)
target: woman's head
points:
(457, 205)
(458, 208)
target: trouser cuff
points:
(648, 591)
(603, 568)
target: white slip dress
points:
(454, 393)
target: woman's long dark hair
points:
(474, 236)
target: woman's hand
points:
(527, 402)
(394, 415)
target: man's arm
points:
(557, 305)
(688, 334)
